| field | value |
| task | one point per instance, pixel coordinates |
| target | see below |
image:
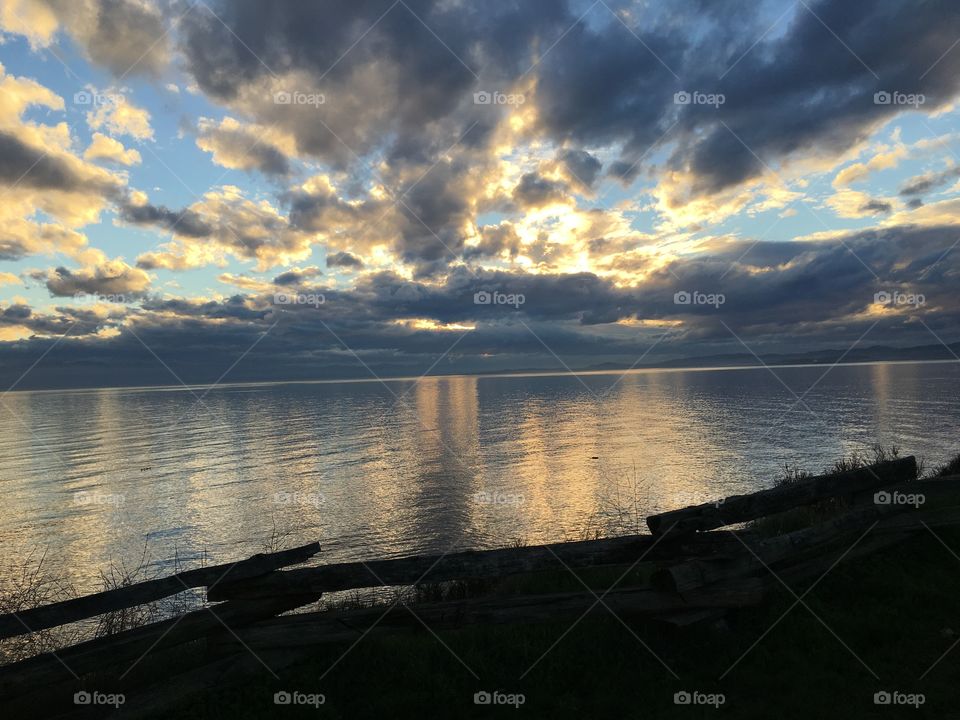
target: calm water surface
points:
(373, 469)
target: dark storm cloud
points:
(435, 212)
(494, 241)
(880, 207)
(819, 296)
(113, 280)
(582, 165)
(800, 91)
(535, 191)
(600, 84)
(124, 36)
(182, 222)
(805, 90)
(297, 276)
(344, 260)
(399, 80)
(922, 184)
(27, 166)
(76, 321)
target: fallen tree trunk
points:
(474, 564)
(741, 508)
(61, 613)
(754, 556)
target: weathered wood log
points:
(310, 629)
(61, 613)
(125, 649)
(816, 542)
(472, 564)
(756, 555)
(741, 508)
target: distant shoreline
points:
(491, 374)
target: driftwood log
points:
(742, 508)
(472, 564)
(61, 613)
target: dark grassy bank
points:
(897, 611)
(886, 622)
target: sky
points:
(241, 190)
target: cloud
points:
(534, 191)
(125, 36)
(344, 260)
(110, 150)
(187, 223)
(110, 278)
(244, 147)
(121, 117)
(583, 167)
(27, 166)
(223, 223)
(922, 184)
(876, 206)
(297, 276)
